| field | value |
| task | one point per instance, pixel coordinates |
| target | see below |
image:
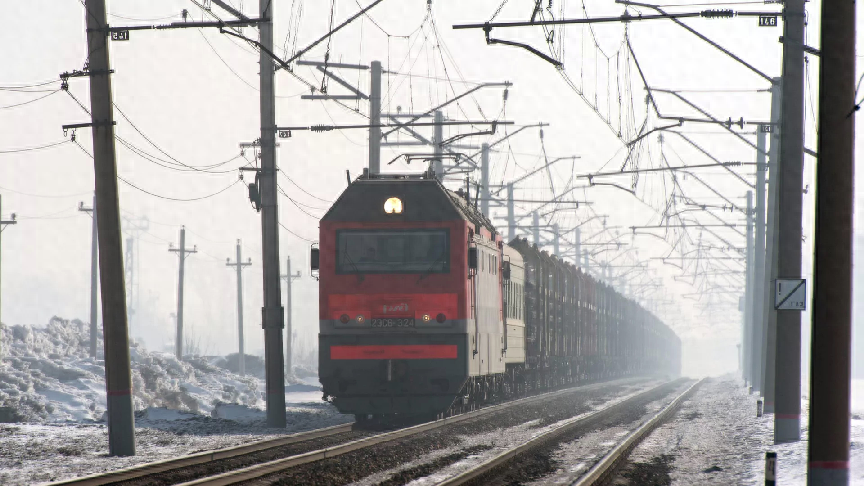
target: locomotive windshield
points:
(393, 251)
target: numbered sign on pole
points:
(790, 294)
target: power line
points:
(46, 195)
(30, 149)
(30, 101)
(169, 198)
(295, 234)
(304, 190)
(30, 85)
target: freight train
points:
(425, 310)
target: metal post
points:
(484, 179)
(94, 268)
(758, 307)
(769, 331)
(272, 313)
(587, 266)
(787, 387)
(511, 217)
(241, 359)
(374, 119)
(831, 350)
(556, 240)
(118, 376)
(747, 320)
(536, 228)
(439, 149)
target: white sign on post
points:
(790, 294)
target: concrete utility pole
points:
(133, 227)
(536, 228)
(586, 269)
(94, 268)
(556, 240)
(181, 252)
(511, 216)
(289, 329)
(3, 224)
(439, 145)
(747, 314)
(831, 350)
(787, 388)
(272, 313)
(374, 118)
(484, 179)
(758, 303)
(769, 331)
(118, 376)
(577, 245)
(239, 264)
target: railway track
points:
(336, 440)
(601, 471)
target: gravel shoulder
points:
(715, 438)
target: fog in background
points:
(193, 94)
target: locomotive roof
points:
(423, 198)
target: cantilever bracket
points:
(489, 40)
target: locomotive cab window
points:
(393, 251)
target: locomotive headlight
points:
(360, 318)
(425, 317)
(393, 206)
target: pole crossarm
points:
(712, 118)
(184, 25)
(327, 128)
(539, 169)
(663, 169)
(626, 17)
(414, 118)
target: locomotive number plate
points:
(392, 322)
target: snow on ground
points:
(52, 405)
(716, 438)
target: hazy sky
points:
(193, 94)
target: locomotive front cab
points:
(393, 291)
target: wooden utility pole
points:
(831, 345)
(239, 264)
(3, 224)
(272, 313)
(118, 376)
(94, 279)
(181, 252)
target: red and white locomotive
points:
(425, 310)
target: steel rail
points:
(537, 440)
(600, 471)
(152, 468)
(259, 470)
